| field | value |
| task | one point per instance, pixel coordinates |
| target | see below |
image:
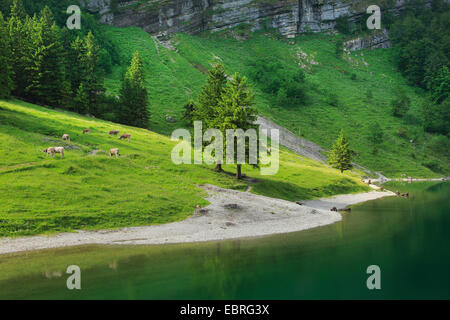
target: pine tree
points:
(133, 95)
(18, 10)
(6, 84)
(46, 71)
(91, 75)
(19, 28)
(75, 68)
(236, 112)
(375, 136)
(339, 156)
(208, 104)
(206, 109)
(81, 101)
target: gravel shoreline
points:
(231, 214)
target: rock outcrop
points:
(379, 39)
(291, 17)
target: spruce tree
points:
(340, 155)
(46, 71)
(207, 108)
(6, 84)
(91, 74)
(81, 100)
(18, 10)
(19, 28)
(236, 112)
(133, 95)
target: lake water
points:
(409, 239)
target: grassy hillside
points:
(349, 93)
(89, 190)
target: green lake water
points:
(409, 239)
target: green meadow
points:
(89, 190)
(350, 93)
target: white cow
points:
(52, 150)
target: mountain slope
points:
(351, 92)
(89, 190)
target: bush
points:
(402, 132)
(440, 145)
(433, 165)
(400, 104)
(332, 99)
(343, 25)
(285, 84)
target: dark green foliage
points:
(6, 84)
(207, 108)
(91, 76)
(188, 112)
(332, 99)
(400, 104)
(339, 48)
(343, 25)
(375, 136)
(273, 78)
(208, 101)
(422, 42)
(436, 117)
(133, 95)
(45, 71)
(340, 154)
(439, 85)
(236, 112)
(52, 66)
(433, 165)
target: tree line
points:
(50, 65)
(421, 42)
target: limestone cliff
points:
(163, 17)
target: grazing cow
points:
(86, 131)
(66, 137)
(114, 132)
(125, 136)
(52, 150)
(114, 152)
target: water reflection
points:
(407, 238)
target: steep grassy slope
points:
(349, 93)
(89, 190)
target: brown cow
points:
(66, 137)
(334, 209)
(52, 150)
(114, 132)
(86, 131)
(114, 152)
(125, 136)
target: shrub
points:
(433, 165)
(400, 104)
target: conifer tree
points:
(339, 156)
(236, 112)
(47, 68)
(6, 84)
(207, 108)
(92, 78)
(133, 95)
(81, 100)
(18, 10)
(19, 27)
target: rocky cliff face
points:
(163, 17)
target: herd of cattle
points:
(51, 151)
